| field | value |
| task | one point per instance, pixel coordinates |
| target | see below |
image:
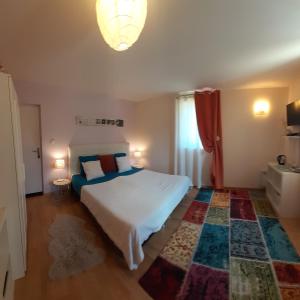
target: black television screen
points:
(293, 113)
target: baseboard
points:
(234, 188)
(34, 194)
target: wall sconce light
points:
(261, 108)
(59, 164)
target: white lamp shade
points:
(59, 164)
(121, 21)
(137, 154)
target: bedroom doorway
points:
(31, 141)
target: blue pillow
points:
(85, 159)
(120, 154)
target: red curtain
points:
(208, 111)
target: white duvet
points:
(130, 208)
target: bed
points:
(129, 207)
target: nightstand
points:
(62, 186)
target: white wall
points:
(58, 111)
(249, 142)
(294, 90)
(155, 132)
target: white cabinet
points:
(283, 190)
(12, 176)
(6, 282)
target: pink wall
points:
(155, 132)
(58, 111)
(249, 142)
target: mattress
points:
(131, 208)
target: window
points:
(187, 135)
(190, 157)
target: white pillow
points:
(123, 164)
(92, 169)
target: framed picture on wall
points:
(98, 122)
(120, 123)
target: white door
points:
(31, 140)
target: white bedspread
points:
(130, 208)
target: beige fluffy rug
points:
(72, 247)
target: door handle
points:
(37, 151)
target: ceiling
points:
(185, 45)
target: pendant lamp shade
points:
(121, 21)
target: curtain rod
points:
(191, 93)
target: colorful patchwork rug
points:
(229, 245)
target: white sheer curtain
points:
(190, 158)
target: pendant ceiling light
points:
(121, 21)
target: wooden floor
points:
(108, 281)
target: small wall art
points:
(81, 121)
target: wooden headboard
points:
(91, 149)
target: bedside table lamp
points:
(59, 164)
(137, 154)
